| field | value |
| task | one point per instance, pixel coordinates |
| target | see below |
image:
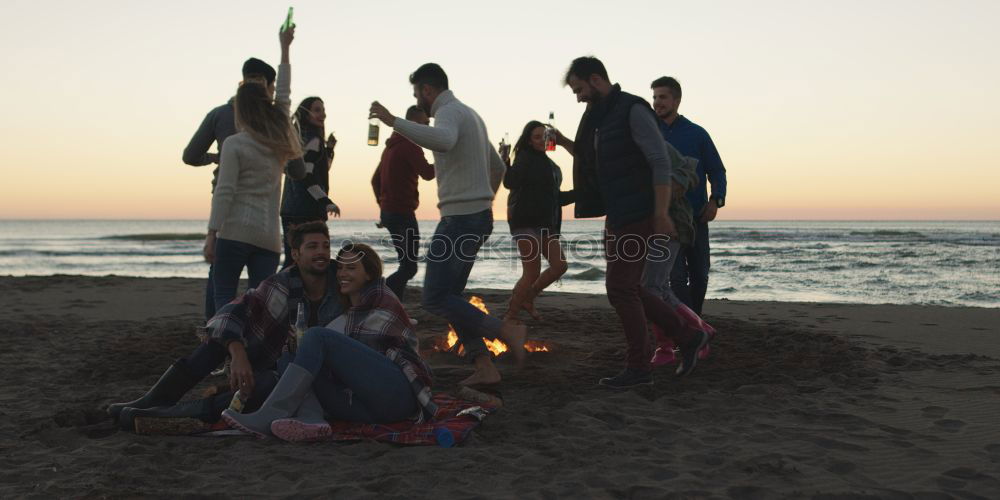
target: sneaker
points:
(689, 353)
(627, 378)
(664, 355)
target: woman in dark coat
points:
(534, 213)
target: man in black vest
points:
(621, 170)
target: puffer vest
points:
(613, 178)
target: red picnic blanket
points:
(406, 432)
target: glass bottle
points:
(373, 131)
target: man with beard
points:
(253, 330)
(621, 169)
(469, 172)
(689, 278)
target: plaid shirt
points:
(261, 318)
(380, 322)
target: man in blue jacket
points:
(689, 278)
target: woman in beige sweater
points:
(244, 229)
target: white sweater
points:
(247, 198)
(468, 169)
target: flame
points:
(497, 347)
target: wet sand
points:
(797, 401)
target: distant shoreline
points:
(114, 279)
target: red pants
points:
(625, 250)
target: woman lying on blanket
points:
(364, 367)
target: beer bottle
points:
(239, 401)
(550, 134)
(288, 21)
(373, 131)
(301, 323)
(505, 147)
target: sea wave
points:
(592, 274)
(156, 237)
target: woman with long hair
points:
(364, 367)
(306, 200)
(244, 228)
(534, 213)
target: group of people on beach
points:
(327, 337)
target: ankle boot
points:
(308, 424)
(664, 353)
(207, 410)
(284, 401)
(173, 384)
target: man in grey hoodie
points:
(469, 172)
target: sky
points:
(877, 110)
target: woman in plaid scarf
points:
(371, 372)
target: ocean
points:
(940, 263)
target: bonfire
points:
(497, 347)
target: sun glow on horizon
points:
(818, 112)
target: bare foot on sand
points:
(530, 307)
(486, 373)
(514, 333)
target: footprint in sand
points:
(841, 468)
(934, 411)
(950, 425)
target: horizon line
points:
(160, 219)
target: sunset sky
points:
(821, 110)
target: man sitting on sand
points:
(252, 329)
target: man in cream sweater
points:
(468, 172)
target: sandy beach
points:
(799, 400)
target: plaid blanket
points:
(415, 433)
(406, 432)
(380, 322)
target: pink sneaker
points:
(291, 429)
(664, 355)
(705, 351)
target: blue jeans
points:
(230, 259)
(353, 381)
(660, 261)
(210, 294)
(406, 238)
(450, 257)
(689, 278)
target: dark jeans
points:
(288, 221)
(209, 355)
(353, 381)
(689, 278)
(625, 249)
(406, 238)
(210, 294)
(450, 257)
(230, 259)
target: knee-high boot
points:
(173, 384)
(284, 401)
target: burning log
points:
(497, 346)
